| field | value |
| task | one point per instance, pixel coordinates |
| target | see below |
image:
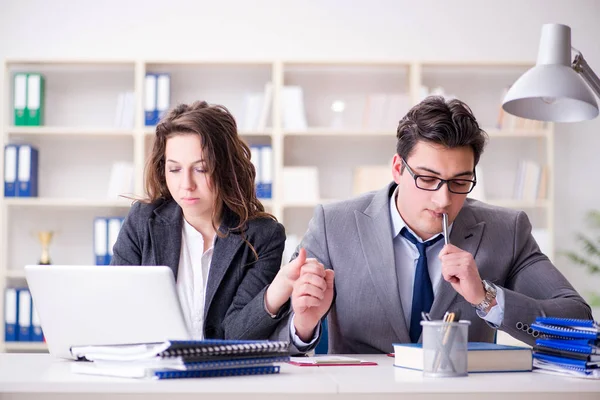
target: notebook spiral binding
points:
(217, 372)
(228, 349)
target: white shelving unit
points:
(78, 143)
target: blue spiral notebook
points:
(260, 370)
(572, 346)
(567, 361)
(567, 332)
(568, 322)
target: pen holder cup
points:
(445, 348)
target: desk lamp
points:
(555, 89)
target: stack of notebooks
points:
(182, 359)
(567, 347)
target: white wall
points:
(330, 29)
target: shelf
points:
(150, 131)
(335, 132)
(308, 203)
(519, 133)
(15, 273)
(68, 131)
(25, 346)
(512, 203)
(65, 202)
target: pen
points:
(443, 346)
(445, 228)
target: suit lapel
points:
(165, 233)
(375, 233)
(224, 251)
(466, 234)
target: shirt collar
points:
(191, 232)
(398, 223)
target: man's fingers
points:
(329, 277)
(314, 268)
(303, 303)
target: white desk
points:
(39, 376)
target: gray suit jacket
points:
(234, 304)
(354, 238)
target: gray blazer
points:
(234, 304)
(354, 238)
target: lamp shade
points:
(552, 90)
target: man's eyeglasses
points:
(433, 183)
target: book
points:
(188, 350)
(329, 361)
(482, 357)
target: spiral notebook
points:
(185, 350)
(263, 370)
(567, 332)
(166, 368)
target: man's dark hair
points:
(449, 123)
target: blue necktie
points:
(422, 288)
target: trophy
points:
(45, 237)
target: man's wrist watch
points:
(490, 295)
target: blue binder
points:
(36, 327)
(27, 171)
(11, 314)
(266, 172)
(101, 255)
(11, 157)
(24, 317)
(150, 100)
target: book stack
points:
(182, 359)
(567, 347)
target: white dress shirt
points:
(192, 276)
(406, 255)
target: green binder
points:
(35, 99)
(20, 99)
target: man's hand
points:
(311, 298)
(459, 268)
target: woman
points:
(203, 220)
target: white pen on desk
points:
(445, 228)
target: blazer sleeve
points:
(315, 244)
(127, 249)
(247, 318)
(535, 287)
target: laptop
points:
(80, 305)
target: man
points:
(390, 260)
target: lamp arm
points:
(586, 72)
